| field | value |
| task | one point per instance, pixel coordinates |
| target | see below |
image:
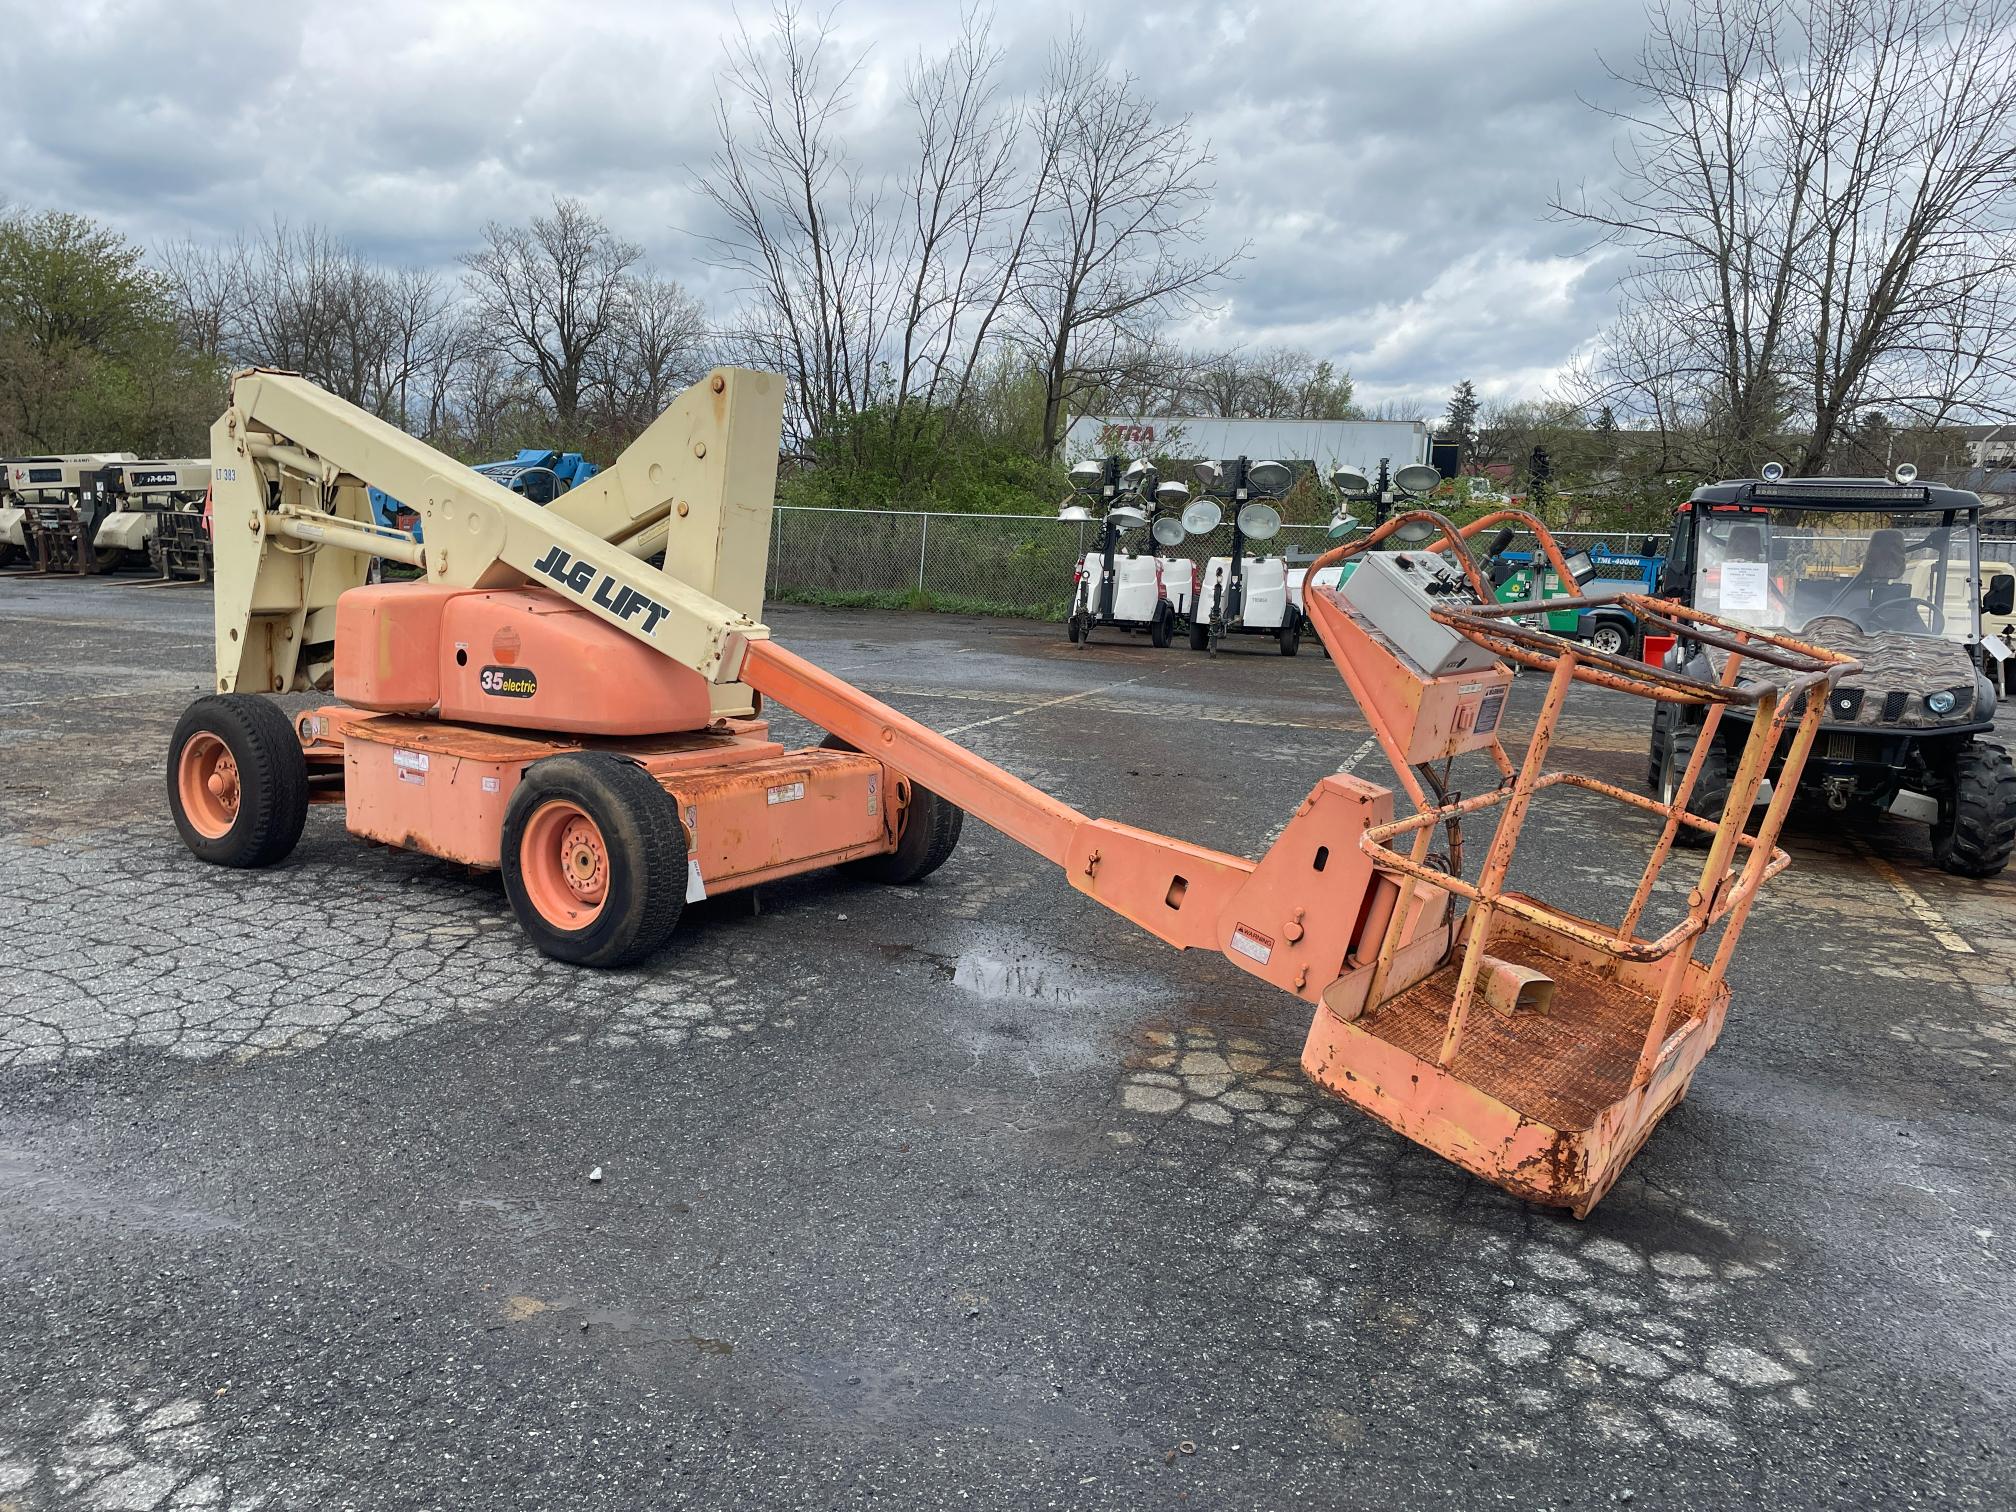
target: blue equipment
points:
(541, 476)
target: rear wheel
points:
(1610, 638)
(1161, 625)
(109, 559)
(594, 859)
(1290, 634)
(929, 835)
(237, 780)
(1711, 788)
(1200, 634)
(1977, 820)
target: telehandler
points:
(547, 702)
(56, 507)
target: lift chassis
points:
(546, 702)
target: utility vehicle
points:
(1887, 570)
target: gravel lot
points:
(960, 1194)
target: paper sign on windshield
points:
(1746, 588)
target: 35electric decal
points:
(508, 682)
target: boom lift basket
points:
(1552, 1104)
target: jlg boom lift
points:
(547, 702)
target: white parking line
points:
(1048, 703)
(1936, 924)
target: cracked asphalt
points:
(957, 1194)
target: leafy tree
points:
(91, 357)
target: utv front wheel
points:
(1711, 788)
(1977, 820)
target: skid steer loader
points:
(546, 702)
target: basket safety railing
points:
(1716, 896)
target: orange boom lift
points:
(548, 702)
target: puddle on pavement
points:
(1033, 981)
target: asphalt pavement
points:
(960, 1194)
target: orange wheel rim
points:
(564, 864)
(206, 779)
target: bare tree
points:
(805, 232)
(552, 295)
(310, 303)
(207, 282)
(1276, 383)
(422, 341)
(1119, 247)
(969, 215)
(1821, 198)
(660, 344)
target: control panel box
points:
(1395, 593)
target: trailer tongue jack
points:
(595, 737)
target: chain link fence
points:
(992, 564)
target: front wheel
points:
(1711, 788)
(1200, 634)
(594, 859)
(1290, 634)
(237, 780)
(1977, 820)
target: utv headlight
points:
(1940, 702)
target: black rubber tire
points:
(1075, 628)
(1290, 634)
(929, 835)
(1711, 790)
(1977, 824)
(1161, 625)
(646, 844)
(9, 553)
(113, 559)
(1200, 635)
(1609, 631)
(272, 779)
(1655, 756)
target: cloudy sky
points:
(1390, 162)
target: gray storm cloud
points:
(1390, 166)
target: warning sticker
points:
(1489, 711)
(1250, 942)
(790, 792)
(410, 761)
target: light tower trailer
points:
(1238, 593)
(1145, 592)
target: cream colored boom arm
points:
(293, 528)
